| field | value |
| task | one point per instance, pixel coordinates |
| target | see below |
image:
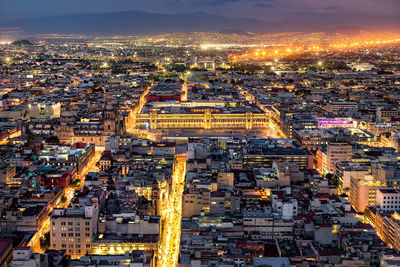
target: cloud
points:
(264, 4)
(216, 2)
(331, 7)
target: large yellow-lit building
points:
(72, 230)
(201, 120)
(363, 192)
(388, 228)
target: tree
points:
(63, 199)
(332, 179)
(30, 137)
(76, 184)
(52, 140)
(177, 67)
(44, 241)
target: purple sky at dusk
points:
(335, 11)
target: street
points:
(171, 217)
(69, 194)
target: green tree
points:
(332, 179)
(52, 140)
(76, 184)
(63, 199)
(30, 137)
(44, 241)
(239, 104)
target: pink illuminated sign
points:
(334, 122)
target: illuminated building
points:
(266, 225)
(336, 122)
(387, 226)
(72, 230)
(283, 121)
(118, 247)
(392, 140)
(265, 158)
(388, 199)
(77, 155)
(6, 252)
(7, 131)
(205, 120)
(326, 158)
(194, 203)
(44, 110)
(387, 173)
(363, 192)
(7, 172)
(385, 115)
(337, 107)
(345, 170)
(93, 131)
(23, 257)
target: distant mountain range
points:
(137, 22)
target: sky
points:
(344, 11)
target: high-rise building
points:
(72, 230)
(363, 192)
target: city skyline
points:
(199, 133)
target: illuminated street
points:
(69, 194)
(131, 125)
(184, 94)
(5, 140)
(171, 216)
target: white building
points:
(23, 257)
(44, 110)
(388, 199)
(284, 204)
